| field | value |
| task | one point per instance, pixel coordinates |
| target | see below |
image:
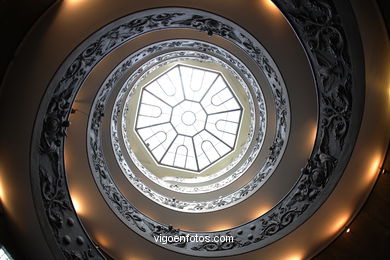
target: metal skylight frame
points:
(217, 129)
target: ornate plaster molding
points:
(97, 157)
(320, 29)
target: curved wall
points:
(68, 23)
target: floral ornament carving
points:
(320, 28)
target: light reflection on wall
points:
(338, 224)
(310, 134)
(77, 204)
(101, 241)
(74, 1)
(313, 135)
(371, 170)
(220, 227)
(270, 5)
(374, 167)
(388, 92)
(71, 5)
(2, 197)
(131, 257)
(67, 160)
(294, 258)
(259, 212)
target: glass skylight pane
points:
(163, 88)
(224, 125)
(212, 101)
(174, 77)
(196, 86)
(209, 148)
(181, 156)
(4, 255)
(152, 111)
(186, 75)
(157, 138)
(196, 80)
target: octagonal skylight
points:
(188, 118)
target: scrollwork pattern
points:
(319, 27)
(186, 45)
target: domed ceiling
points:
(194, 122)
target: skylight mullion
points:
(210, 87)
(218, 138)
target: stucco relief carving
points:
(319, 27)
